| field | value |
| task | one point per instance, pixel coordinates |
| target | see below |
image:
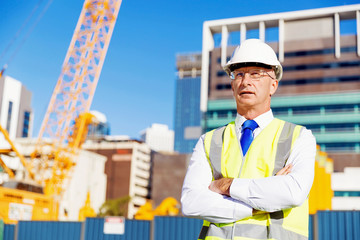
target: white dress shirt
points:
(267, 194)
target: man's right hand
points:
(285, 171)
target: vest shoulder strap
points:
(288, 134)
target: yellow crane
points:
(64, 125)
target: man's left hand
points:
(221, 186)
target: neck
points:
(251, 114)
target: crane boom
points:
(81, 69)
(73, 92)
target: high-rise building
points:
(187, 124)
(15, 108)
(319, 50)
(159, 137)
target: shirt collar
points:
(262, 120)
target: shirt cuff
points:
(239, 189)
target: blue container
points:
(176, 228)
(311, 227)
(134, 230)
(41, 230)
(334, 225)
(9, 232)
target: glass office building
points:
(320, 53)
(187, 102)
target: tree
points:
(115, 207)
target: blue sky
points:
(137, 83)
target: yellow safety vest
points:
(266, 155)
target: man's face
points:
(253, 93)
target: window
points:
(222, 86)
(26, 125)
(8, 122)
(221, 73)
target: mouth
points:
(246, 93)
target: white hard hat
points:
(253, 52)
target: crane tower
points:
(74, 91)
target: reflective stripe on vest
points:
(286, 134)
(249, 231)
(215, 151)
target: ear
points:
(274, 86)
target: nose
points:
(246, 79)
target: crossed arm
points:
(228, 200)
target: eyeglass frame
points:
(257, 79)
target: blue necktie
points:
(247, 134)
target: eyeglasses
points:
(255, 74)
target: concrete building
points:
(15, 108)
(159, 137)
(187, 123)
(128, 169)
(319, 50)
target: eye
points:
(239, 75)
(255, 73)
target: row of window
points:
(343, 108)
(319, 52)
(340, 147)
(341, 79)
(324, 51)
(347, 193)
(331, 65)
(322, 66)
(328, 129)
(304, 81)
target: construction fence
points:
(324, 225)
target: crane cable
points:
(27, 34)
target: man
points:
(251, 178)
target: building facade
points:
(319, 50)
(15, 108)
(187, 102)
(169, 171)
(159, 137)
(128, 169)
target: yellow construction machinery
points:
(24, 199)
(168, 207)
(321, 192)
(64, 125)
